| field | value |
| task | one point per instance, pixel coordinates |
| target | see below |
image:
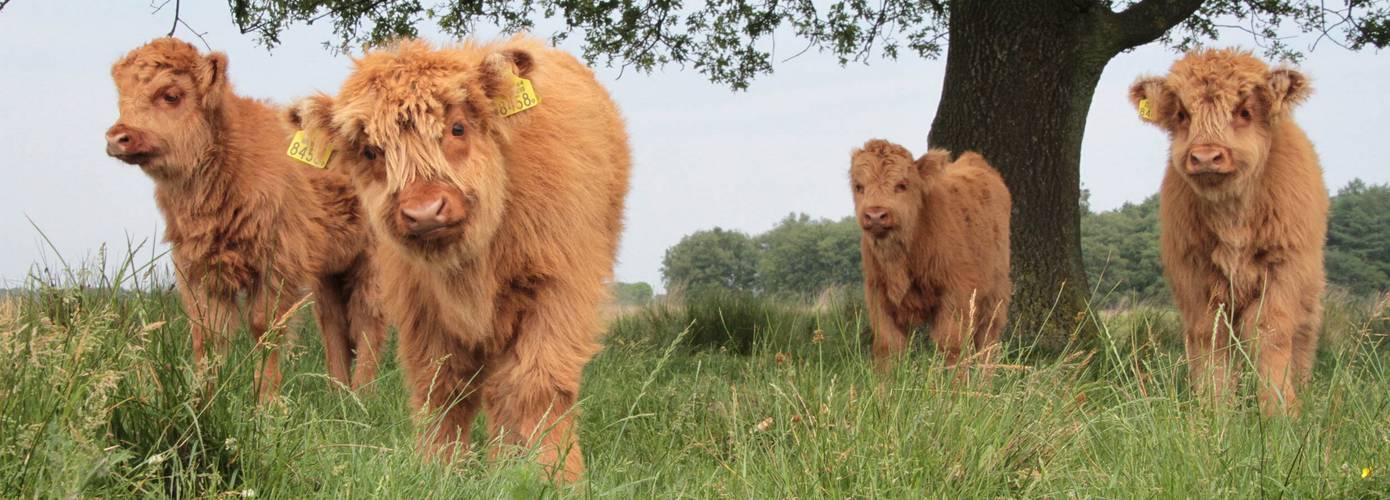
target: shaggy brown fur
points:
(243, 218)
(935, 248)
(1243, 213)
(501, 230)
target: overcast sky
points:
(703, 156)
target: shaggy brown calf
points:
(1243, 214)
(495, 176)
(935, 248)
(241, 217)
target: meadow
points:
(718, 396)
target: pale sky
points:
(704, 156)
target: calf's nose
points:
(424, 216)
(1206, 159)
(877, 220)
(879, 217)
(120, 140)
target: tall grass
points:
(716, 396)
(739, 322)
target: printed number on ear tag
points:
(305, 149)
(1145, 110)
(523, 98)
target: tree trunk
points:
(1019, 80)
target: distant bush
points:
(1120, 251)
(744, 323)
(1358, 238)
(737, 320)
(632, 294)
(801, 256)
(716, 259)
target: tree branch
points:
(1147, 20)
(176, 19)
(197, 34)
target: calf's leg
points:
(367, 329)
(1207, 337)
(1274, 327)
(1305, 343)
(210, 318)
(534, 384)
(890, 338)
(330, 308)
(442, 375)
(272, 327)
(988, 328)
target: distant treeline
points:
(802, 256)
(798, 256)
(1121, 245)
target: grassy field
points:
(729, 397)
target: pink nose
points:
(121, 140)
(1206, 159)
(876, 220)
(879, 217)
(118, 140)
(423, 217)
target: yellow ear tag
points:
(1145, 111)
(523, 98)
(304, 149)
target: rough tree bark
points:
(1020, 75)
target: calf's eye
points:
(1245, 113)
(368, 153)
(457, 130)
(900, 187)
(171, 98)
(1182, 115)
(859, 188)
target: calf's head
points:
(1220, 108)
(889, 188)
(417, 130)
(169, 97)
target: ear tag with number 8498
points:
(523, 98)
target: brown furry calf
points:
(243, 218)
(500, 228)
(935, 248)
(1243, 214)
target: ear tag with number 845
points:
(305, 149)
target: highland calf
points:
(243, 219)
(495, 176)
(935, 248)
(1243, 217)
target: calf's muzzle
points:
(424, 207)
(126, 144)
(876, 221)
(1208, 159)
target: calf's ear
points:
(1146, 94)
(313, 114)
(933, 161)
(1289, 88)
(212, 78)
(497, 70)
